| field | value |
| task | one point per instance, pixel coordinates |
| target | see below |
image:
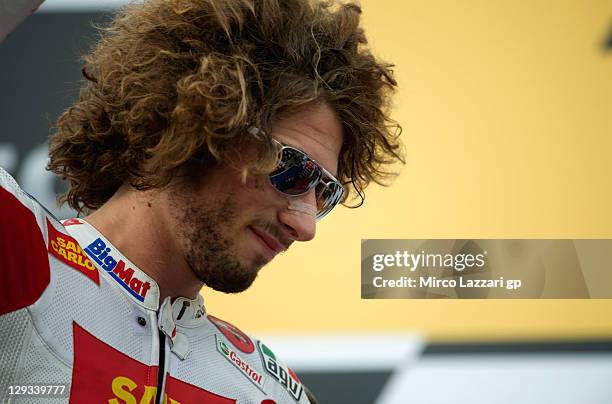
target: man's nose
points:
(299, 216)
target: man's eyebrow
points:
(297, 148)
(289, 143)
(335, 175)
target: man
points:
(209, 136)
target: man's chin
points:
(230, 279)
(236, 286)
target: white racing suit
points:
(75, 312)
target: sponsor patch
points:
(96, 377)
(239, 339)
(66, 249)
(125, 276)
(71, 222)
(285, 376)
(253, 375)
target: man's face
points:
(228, 229)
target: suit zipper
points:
(161, 371)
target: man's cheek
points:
(257, 182)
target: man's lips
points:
(269, 241)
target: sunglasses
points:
(297, 173)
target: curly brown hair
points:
(171, 83)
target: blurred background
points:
(507, 114)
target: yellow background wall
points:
(507, 115)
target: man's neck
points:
(134, 223)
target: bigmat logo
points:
(67, 250)
(97, 378)
(99, 252)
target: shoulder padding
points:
(24, 263)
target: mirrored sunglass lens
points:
(328, 197)
(296, 173)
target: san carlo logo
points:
(98, 379)
(68, 250)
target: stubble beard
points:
(210, 255)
